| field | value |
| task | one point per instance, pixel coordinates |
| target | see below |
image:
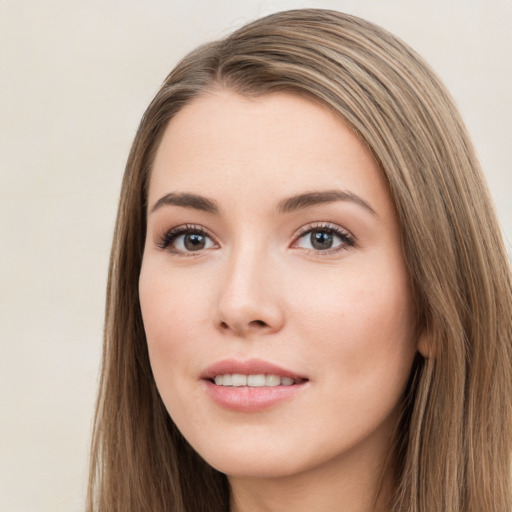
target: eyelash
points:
(167, 240)
(346, 239)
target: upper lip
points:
(249, 367)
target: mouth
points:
(251, 386)
(258, 380)
(252, 373)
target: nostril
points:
(254, 324)
(258, 323)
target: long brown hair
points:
(453, 447)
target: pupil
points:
(321, 240)
(194, 242)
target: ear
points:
(424, 344)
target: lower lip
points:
(248, 399)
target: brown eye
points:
(194, 241)
(183, 240)
(191, 241)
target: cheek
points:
(177, 311)
(171, 315)
(363, 321)
(359, 342)
(169, 302)
(165, 313)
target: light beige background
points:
(75, 77)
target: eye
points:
(186, 239)
(324, 238)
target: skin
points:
(342, 317)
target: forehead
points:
(272, 145)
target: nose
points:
(249, 300)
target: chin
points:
(263, 460)
(264, 467)
(252, 459)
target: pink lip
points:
(252, 366)
(250, 399)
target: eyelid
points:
(165, 240)
(348, 240)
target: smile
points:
(252, 381)
(251, 386)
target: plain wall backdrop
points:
(75, 78)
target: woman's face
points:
(273, 289)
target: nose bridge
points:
(248, 296)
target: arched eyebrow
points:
(308, 199)
(186, 200)
(287, 205)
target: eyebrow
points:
(185, 200)
(308, 199)
(287, 205)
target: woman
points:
(309, 301)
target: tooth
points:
(259, 380)
(239, 380)
(272, 380)
(256, 381)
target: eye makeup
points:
(186, 240)
(323, 238)
(319, 238)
